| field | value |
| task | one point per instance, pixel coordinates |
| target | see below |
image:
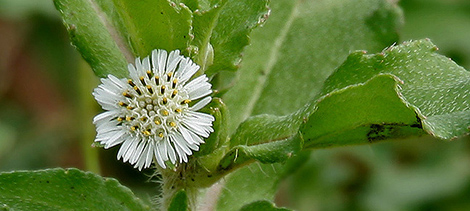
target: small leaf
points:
(155, 24)
(271, 152)
(70, 189)
(230, 25)
(262, 205)
(179, 202)
(218, 138)
(203, 27)
(265, 128)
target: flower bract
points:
(154, 114)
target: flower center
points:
(154, 105)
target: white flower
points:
(149, 114)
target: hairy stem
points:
(175, 181)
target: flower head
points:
(151, 113)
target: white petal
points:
(105, 116)
(158, 156)
(139, 67)
(106, 126)
(196, 129)
(179, 153)
(182, 156)
(120, 83)
(138, 152)
(109, 88)
(143, 156)
(164, 147)
(148, 154)
(200, 92)
(196, 82)
(196, 138)
(173, 59)
(106, 100)
(186, 135)
(112, 84)
(197, 123)
(183, 65)
(179, 150)
(171, 152)
(114, 140)
(201, 116)
(201, 104)
(194, 147)
(202, 123)
(159, 58)
(133, 72)
(145, 65)
(107, 91)
(131, 150)
(186, 70)
(124, 148)
(104, 134)
(179, 140)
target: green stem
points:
(86, 111)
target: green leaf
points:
(219, 137)
(155, 24)
(435, 86)
(245, 186)
(201, 5)
(284, 68)
(179, 202)
(255, 182)
(297, 49)
(94, 30)
(70, 189)
(369, 98)
(361, 114)
(262, 205)
(271, 152)
(265, 128)
(366, 110)
(203, 27)
(229, 24)
(111, 33)
(405, 91)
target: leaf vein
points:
(272, 59)
(112, 31)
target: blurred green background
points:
(46, 111)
